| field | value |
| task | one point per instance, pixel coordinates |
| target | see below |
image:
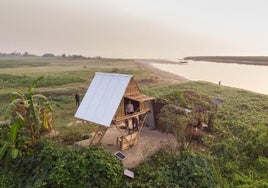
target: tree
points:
(48, 55)
(63, 55)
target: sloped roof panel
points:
(103, 97)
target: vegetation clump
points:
(189, 169)
(48, 166)
(28, 161)
(236, 145)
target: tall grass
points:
(12, 81)
(12, 63)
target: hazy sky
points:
(169, 29)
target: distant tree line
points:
(46, 55)
(14, 54)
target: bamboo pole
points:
(142, 125)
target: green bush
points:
(195, 170)
(188, 169)
(48, 166)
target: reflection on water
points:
(250, 77)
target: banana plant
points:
(15, 140)
(34, 108)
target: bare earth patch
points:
(74, 123)
(150, 141)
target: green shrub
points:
(48, 166)
(194, 170)
(188, 169)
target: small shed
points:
(106, 103)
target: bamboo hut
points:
(115, 99)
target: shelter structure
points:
(115, 99)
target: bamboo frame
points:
(130, 141)
(130, 116)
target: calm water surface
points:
(249, 77)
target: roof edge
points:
(112, 74)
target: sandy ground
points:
(150, 141)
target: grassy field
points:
(62, 78)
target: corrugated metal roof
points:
(103, 97)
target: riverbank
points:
(246, 60)
(164, 76)
(249, 77)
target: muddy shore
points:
(163, 75)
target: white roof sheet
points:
(103, 97)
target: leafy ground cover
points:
(49, 166)
(236, 148)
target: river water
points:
(249, 77)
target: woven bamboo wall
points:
(132, 88)
(143, 106)
(121, 110)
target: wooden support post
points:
(99, 134)
(91, 127)
(142, 125)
